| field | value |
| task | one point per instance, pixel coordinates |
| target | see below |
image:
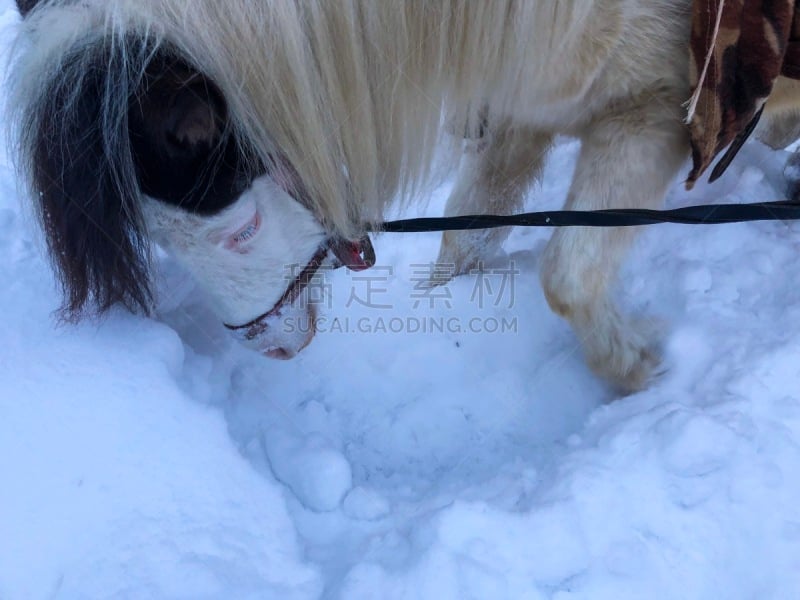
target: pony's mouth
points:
(355, 255)
(277, 333)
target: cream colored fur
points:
(354, 92)
(780, 124)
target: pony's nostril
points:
(280, 353)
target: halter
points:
(356, 256)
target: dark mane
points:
(26, 6)
(118, 118)
(81, 169)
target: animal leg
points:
(627, 161)
(492, 181)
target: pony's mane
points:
(353, 93)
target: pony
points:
(247, 135)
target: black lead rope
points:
(707, 214)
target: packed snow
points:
(446, 444)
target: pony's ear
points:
(76, 147)
(192, 121)
(183, 151)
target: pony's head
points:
(125, 143)
(242, 136)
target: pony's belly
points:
(567, 115)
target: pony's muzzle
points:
(289, 326)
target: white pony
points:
(248, 135)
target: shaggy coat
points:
(243, 134)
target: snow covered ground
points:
(154, 458)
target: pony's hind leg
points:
(627, 160)
(492, 180)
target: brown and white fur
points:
(330, 110)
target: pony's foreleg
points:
(627, 161)
(492, 180)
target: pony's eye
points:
(244, 234)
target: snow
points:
(155, 458)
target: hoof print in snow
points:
(317, 474)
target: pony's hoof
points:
(634, 363)
(647, 369)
